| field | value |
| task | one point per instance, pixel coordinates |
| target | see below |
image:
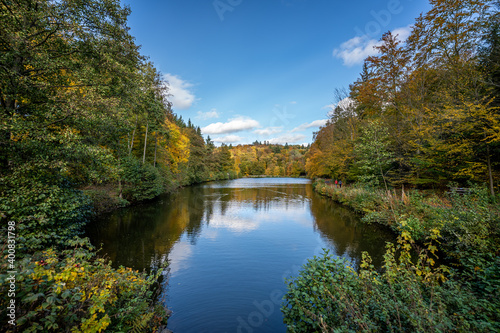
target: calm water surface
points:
(230, 244)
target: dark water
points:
(230, 244)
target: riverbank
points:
(409, 294)
(108, 197)
(60, 280)
(270, 224)
(471, 218)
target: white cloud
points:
(346, 105)
(329, 107)
(287, 138)
(228, 139)
(403, 33)
(316, 123)
(357, 49)
(182, 98)
(178, 258)
(207, 115)
(293, 102)
(269, 130)
(233, 125)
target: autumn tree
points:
(436, 97)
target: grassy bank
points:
(409, 294)
(466, 222)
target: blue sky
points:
(264, 69)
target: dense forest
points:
(424, 111)
(417, 139)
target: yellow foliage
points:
(96, 285)
(177, 146)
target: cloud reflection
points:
(179, 255)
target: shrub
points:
(45, 214)
(472, 224)
(75, 292)
(104, 199)
(330, 296)
(467, 221)
(141, 181)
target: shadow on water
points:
(350, 237)
(142, 236)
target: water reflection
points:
(229, 244)
(342, 228)
(142, 236)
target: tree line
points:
(269, 159)
(424, 111)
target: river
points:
(230, 244)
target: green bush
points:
(467, 221)
(472, 224)
(330, 296)
(45, 214)
(73, 291)
(104, 200)
(141, 181)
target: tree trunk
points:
(145, 144)
(156, 144)
(132, 141)
(490, 173)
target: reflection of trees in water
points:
(260, 198)
(349, 236)
(143, 236)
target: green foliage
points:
(467, 221)
(372, 155)
(408, 295)
(313, 298)
(45, 214)
(72, 86)
(424, 112)
(141, 181)
(471, 224)
(362, 199)
(72, 291)
(104, 199)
